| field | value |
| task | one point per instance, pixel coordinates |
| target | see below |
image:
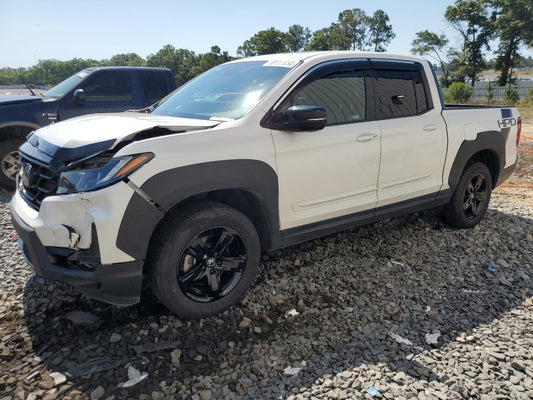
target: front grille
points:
(37, 181)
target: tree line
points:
(479, 23)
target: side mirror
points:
(79, 96)
(298, 119)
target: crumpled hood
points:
(17, 98)
(96, 128)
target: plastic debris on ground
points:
(372, 391)
(134, 376)
(400, 339)
(334, 371)
(291, 313)
(93, 366)
(490, 267)
(151, 347)
(82, 318)
(348, 309)
(397, 263)
(291, 371)
(432, 338)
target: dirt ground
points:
(520, 184)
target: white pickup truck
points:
(251, 156)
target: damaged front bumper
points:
(85, 256)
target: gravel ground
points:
(407, 306)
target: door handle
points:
(430, 128)
(366, 137)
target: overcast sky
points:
(32, 30)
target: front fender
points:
(169, 188)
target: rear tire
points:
(203, 259)
(9, 162)
(471, 198)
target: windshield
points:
(66, 85)
(227, 91)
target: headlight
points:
(101, 171)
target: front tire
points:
(9, 162)
(471, 198)
(203, 259)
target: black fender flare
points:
(494, 141)
(171, 187)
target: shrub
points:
(459, 92)
(511, 95)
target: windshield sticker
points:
(82, 74)
(281, 63)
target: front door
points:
(332, 172)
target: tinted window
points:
(395, 94)
(342, 95)
(421, 99)
(108, 86)
(154, 85)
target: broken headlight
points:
(99, 172)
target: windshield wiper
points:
(27, 85)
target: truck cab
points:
(92, 90)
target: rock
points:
(245, 323)
(115, 337)
(46, 384)
(58, 378)
(175, 356)
(97, 393)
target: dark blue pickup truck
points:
(93, 90)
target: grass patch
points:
(526, 112)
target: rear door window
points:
(395, 94)
(154, 85)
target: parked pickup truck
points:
(253, 155)
(93, 90)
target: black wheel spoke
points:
(192, 276)
(223, 242)
(233, 264)
(467, 204)
(479, 182)
(196, 248)
(213, 281)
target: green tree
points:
(459, 92)
(514, 27)
(471, 19)
(353, 25)
(430, 44)
(297, 37)
(331, 38)
(380, 32)
(269, 41)
(129, 59)
(180, 61)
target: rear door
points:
(413, 133)
(332, 172)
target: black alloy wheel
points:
(202, 259)
(212, 264)
(475, 196)
(471, 197)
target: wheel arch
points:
(16, 129)
(249, 186)
(488, 148)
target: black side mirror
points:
(298, 119)
(79, 96)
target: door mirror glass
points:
(79, 96)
